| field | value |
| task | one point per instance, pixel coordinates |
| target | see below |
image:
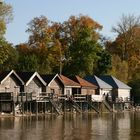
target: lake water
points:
(107, 126)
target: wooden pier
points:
(44, 103)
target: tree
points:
(127, 43)
(104, 63)
(45, 40)
(27, 60)
(135, 91)
(81, 37)
(127, 36)
(5, 17)
(8, 56)
(119, 68)
(5, 47)
(39, 32)
(70, 48)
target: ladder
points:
(90, 104)
(75, 105)
(56, 106)
(107, 105)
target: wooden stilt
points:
(36, 108)
(13, 108)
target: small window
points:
(52, 91)
(68, 92)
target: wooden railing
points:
(80, 97)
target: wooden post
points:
(113, 106)
(13, 104)
(65, 105)
(45, 107)
(30, 107)
(13, 108)
(36, 108)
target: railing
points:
(43, 96)
(23, 96)
(121, 99)
(80, 98)
(62, 97)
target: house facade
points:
(102, 90)
(87, 88)
(70, 87)
(33, 83)
(54, 84)
(120, 91)
(10, 82)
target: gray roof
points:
(98, 82)
(114, 82)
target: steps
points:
(56, 106)
(75, 105)
(90, 104)
(107, 105)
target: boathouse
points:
(70, 87)
(120, 91)
(87, 88)
(33, 83)
(102, 90)
(10, 84)
(54, 84)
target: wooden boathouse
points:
(10, 84)
(32, 93)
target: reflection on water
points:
(121, 126)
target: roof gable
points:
(98, 82)
(4, 75)
(27, 77)
(48, 78)
(114, 82)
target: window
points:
(68, 92)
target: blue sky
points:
(105, 12)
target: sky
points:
(106, 12)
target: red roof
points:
(68, 82)
(83, 82)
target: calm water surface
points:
(120, 126)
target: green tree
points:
(119, 68)
(81, 37)
(5, 17)
(27, 60)
(8, 56)
(135, 91)
(104, 63)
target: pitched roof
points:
(114, 82)
(28, 76)
(68, 82)
(5, 74)
(25, 76)
(98, 82)
(48, 78)
(83, 82)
